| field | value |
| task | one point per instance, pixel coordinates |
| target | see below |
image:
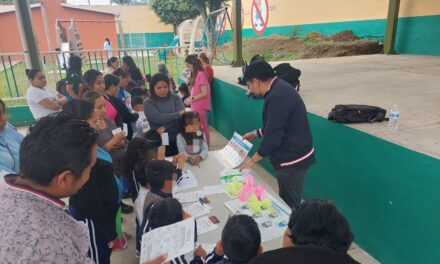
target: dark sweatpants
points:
(291, 183)
(98, 244)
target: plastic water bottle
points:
(394, 116)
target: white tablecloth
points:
(208, 174)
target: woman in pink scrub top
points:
(200, 99)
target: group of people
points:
(108, 138)
(131, 123)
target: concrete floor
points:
(411, 82)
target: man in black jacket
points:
(287, 138)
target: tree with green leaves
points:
(174, 12)
(207, 6)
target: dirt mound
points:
(315, 36)
(312, 45)
(272, 48)
(343, 36)
(329, 50)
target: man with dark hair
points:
(317, 233)
(55, 162)
(240, 242)
(287, 138)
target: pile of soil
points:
(312, 45)
(343, 36)
(328, 50)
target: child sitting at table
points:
(148, 152)
(240, 242)
(166, 212)
(192, 141)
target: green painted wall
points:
(415, 35)
(20, 116)
(418, 35)
(389, 194)
(137, 40)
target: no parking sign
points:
(260, 15)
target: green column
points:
(237, 34)
(390, 34)
(28, 40)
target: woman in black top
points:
(125, 116)
(129, 66)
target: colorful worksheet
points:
(235, 152)
(272, 222)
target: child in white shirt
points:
(141, 125)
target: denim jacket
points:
(10, 141)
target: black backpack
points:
(289, 74)
(255, 58)
(357, 114)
